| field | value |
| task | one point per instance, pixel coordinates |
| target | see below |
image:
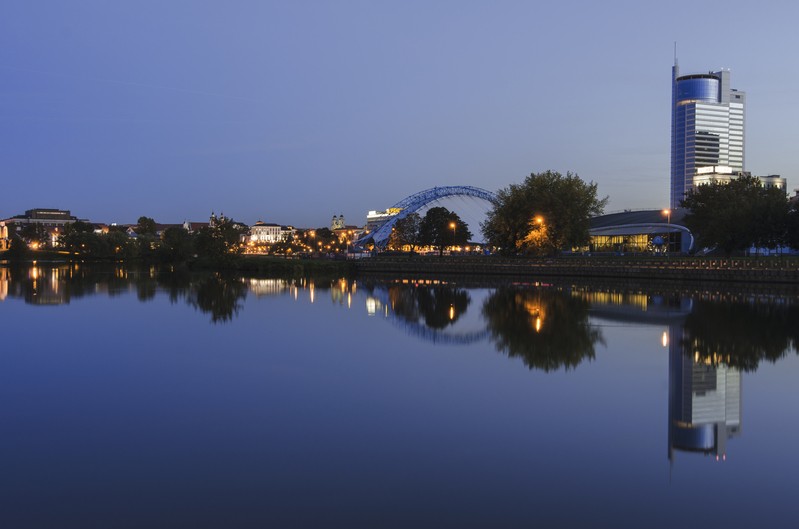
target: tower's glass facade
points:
(707, 127)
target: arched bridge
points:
(419, 200)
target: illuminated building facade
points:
(49, 222)
(263, 232)
(723, 175)
(5, 241)
(707, 127)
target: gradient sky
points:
(294, 111)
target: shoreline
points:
(779, 270)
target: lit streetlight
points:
(667, 212)
(453, 226)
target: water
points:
(139, 399)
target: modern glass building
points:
(707, 127)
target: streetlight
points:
(667, 212)
(453, 226)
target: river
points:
(145, 398)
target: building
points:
(644, 231)
(375, 219)
(724, 174)
(268, 233)
(707, 127)
(5, 241)
(43, 224)
(337, 223)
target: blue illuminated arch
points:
(419, 200)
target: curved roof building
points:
(644, 231)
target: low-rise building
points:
(43, 224)
(645, 231)
(724, 174)
(269, 233)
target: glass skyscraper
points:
(707, 127)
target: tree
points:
(441, 227)
(145, 225)
(220, 244)
(792, 227)
(18, 251)
(35, 233)
(79, 237)
(177, 245)
(736, 215)
(406, 232)
(546, 213)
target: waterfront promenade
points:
(761, 270)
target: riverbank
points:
(249, 264)
(749, 270)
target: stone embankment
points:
(761, 270)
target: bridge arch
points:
(419, 200)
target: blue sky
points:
(294, 111)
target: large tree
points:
(736, 215)
(792, 231)
(544, 214)
(441, 227)
(406, 232)
(145, 225)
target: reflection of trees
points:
(219, 296)
(547, 329)
(52, 285)
(741, 334)
(439, 305)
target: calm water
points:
(138, 399)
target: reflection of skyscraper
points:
(707, 127)
(704, 400)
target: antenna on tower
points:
(675, 53)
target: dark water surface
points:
(146, 399)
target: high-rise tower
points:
(707, 127)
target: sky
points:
(295, 111)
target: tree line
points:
(741, 214)
(439, 228)
(216, 245)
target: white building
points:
(269, 233)
(724, 174)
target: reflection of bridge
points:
(420, 330)
(438, 335)
(418, 201)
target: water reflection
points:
(437, 306)
(704, 399)
(547, 328)
(433, 311)
(714, 337)
(741, 331)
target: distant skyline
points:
(292, 112)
